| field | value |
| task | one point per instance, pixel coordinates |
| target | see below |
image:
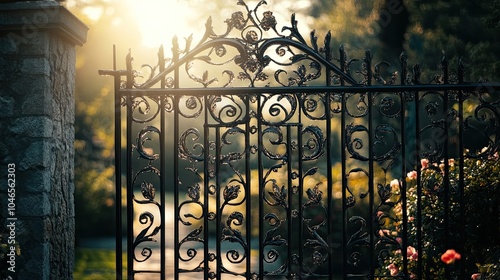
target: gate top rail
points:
(466, 87)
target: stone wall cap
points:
(31, 16)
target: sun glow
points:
(160, 20)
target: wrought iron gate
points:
(266, 156)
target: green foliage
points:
(446, 222)
(95, 264)
(352, 23)
(94, 170)
(492, 19)
(425, 29)
(458, 29)
(94, 130)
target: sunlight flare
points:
(160, 20)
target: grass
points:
(95, 264)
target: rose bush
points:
(471, 228)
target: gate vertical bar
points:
(444, 66)
(403, 184)
(461, 155)
(300, 191)
(206, 180)
(329, 179)
(118, 171)
(218, 214)
(248, 191)
(371, 155)
(419, 186)
(290, 200)
(342, 62)
(176, 100)
(416, 77)
(130, 205)
(260, 185)
(161, 103)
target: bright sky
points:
(160, 20)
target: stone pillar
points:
(37, 77)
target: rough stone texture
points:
(37, 75)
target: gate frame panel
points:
(252, 59)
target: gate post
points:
(37, 76)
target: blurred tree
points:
(424, 29)
(393, 21)
(94, 171)
(352, 24)
(459, 29)
(94, 123)
(492, 19)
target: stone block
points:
(38, 104)
(34, 181)
(35, 66)
(36, 156)
(8, 45)
(26, 226)
(33, 205)
(5, 157)
(34, 267)
(7, 104)
(30, 85)
(8, 68)
(36, 45)
(32, 126)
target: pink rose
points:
(450, 256)
(411, 253)
(384, 232)
(395, 184)
(424, 163)
(476, 276)
(380, 214)
(412, 175)
(393, 269)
